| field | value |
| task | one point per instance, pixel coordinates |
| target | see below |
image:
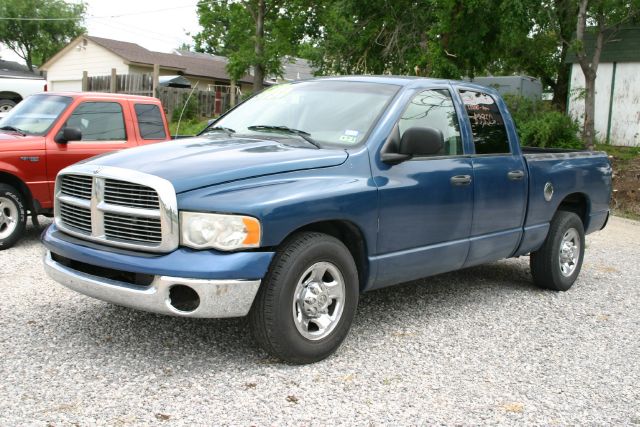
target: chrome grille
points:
(118, 207)
(130, 194)
(134, 228)
(76, 217)
(76, 185)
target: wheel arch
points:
(579, 204)
(350, 235)
(13, 96)
(18, 184)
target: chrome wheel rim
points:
(8, 217)
(5, 108)
(569, 252)
(318, 301)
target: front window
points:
(330, 112)
(99, 121)
(36, 114)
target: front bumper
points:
(217, 298)
(225, 284)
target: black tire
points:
(6, 105)
(11, 205)
(546, 262)
(271, 317)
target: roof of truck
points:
(104, 95)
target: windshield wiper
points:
(302, 134)
(14, 129)
(228, 131)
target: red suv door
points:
(105, 125)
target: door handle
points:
(515, 175)
(461, 180)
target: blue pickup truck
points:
(289, 206)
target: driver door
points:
(425, 203)
(104, 128)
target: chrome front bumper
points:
(218, 298)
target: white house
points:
(98, 56)
(617, 115)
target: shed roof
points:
(623, 46)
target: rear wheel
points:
(6, 105)
(557, 263)
(307, 301)
(13, 216)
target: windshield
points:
(330, 112)
(36, 114)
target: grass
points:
(620, 153)
(191, 127)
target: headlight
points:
(223, 232)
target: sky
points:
(159, 25)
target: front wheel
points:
(307, 301)
(557, 263)
(13, 216)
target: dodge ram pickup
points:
(289, 206)
(48, 132)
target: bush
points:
(550, 129)
(539, 125)
(191, 107)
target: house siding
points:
(625, 117)
(94, 59)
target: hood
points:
(10, 141)
(200, 162)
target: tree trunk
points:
(561, 87)
(29, 61)
(589, 132)
(258, 66)
(566, 11)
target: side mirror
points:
(418, 141)
(68, 134)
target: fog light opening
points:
(183, 298)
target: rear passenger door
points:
(499, 177)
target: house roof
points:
(296, 69)
(211, 67)
(13, 69)
(623, 46)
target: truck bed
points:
(576, 176)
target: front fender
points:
(286, 202)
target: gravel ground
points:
(479, 346)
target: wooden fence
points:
(203, 103)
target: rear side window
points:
(487, 124)
(150, 121)
(99, 121)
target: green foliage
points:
(37, 41)
(229, 29)
(539, 125)
(191, 109)
(550, 129)
(189, 127)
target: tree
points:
(36, 40)
(437, 38)
(600, 19)
(253, 34)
